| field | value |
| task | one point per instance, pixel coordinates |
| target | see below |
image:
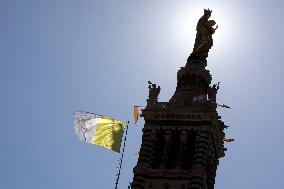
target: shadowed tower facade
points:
(183, 139)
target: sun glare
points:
(185, 20)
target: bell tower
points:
(183, 139)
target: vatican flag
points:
(99, 130)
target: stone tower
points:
(183, 139)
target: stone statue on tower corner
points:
(154, 92)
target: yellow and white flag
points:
(99, 130)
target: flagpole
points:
(122, 154)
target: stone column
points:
(165, 156)
(211, 167)
(144, 160)
(197, 183)
(199, 158)
(152, 147)
(182, 149)
(146, 150)
(201, 150)
(211, 176)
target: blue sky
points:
(60, 56)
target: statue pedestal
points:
(196, 60)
